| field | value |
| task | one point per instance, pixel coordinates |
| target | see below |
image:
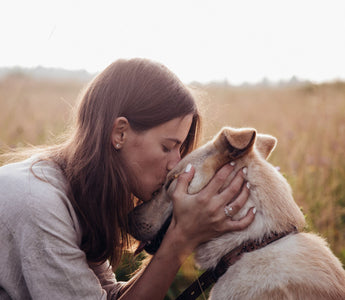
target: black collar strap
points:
(211, 276)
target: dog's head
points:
(270, 192)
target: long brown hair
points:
(147, 94)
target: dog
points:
(299, 265)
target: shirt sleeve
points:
(107, 279)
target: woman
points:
(63, 212)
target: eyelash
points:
(166, 149)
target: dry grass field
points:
(33, 111)
(308, 120)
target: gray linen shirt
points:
(40, 236)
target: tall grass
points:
(308, 121)
(34, 111)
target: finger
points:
(219, 179)
(229, 193)
(184, 179)
(242, 223)
(237, 204)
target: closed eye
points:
(166, 149)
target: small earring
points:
(117, 146)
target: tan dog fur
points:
(298, 266)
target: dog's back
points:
(299, 266)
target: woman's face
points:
(151, 154)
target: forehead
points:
(175, 129)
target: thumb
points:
(184, 179)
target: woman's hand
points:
(196, 219)
(200, 217)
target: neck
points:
(213, 274)
(271, 217)
(209, 254)
(251, 245)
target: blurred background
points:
(277, 66)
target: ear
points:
(236, 141)
(118, 134)
(265, 144)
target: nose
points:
(173, 160)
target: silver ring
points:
(227, 210)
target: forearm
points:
(154, 281)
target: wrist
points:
(176, 242)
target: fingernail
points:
(248, 185)
(245, 170)
(232, 163)
(254, 210)
(188, 168)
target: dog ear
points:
(265, 144)
(236, 141)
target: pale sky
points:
(239, 41)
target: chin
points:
(143, 197)
(146, 195)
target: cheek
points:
(153, 165)
(147, 161)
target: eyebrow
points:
(178, 142)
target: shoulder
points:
(34, 197)
(41, 236)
